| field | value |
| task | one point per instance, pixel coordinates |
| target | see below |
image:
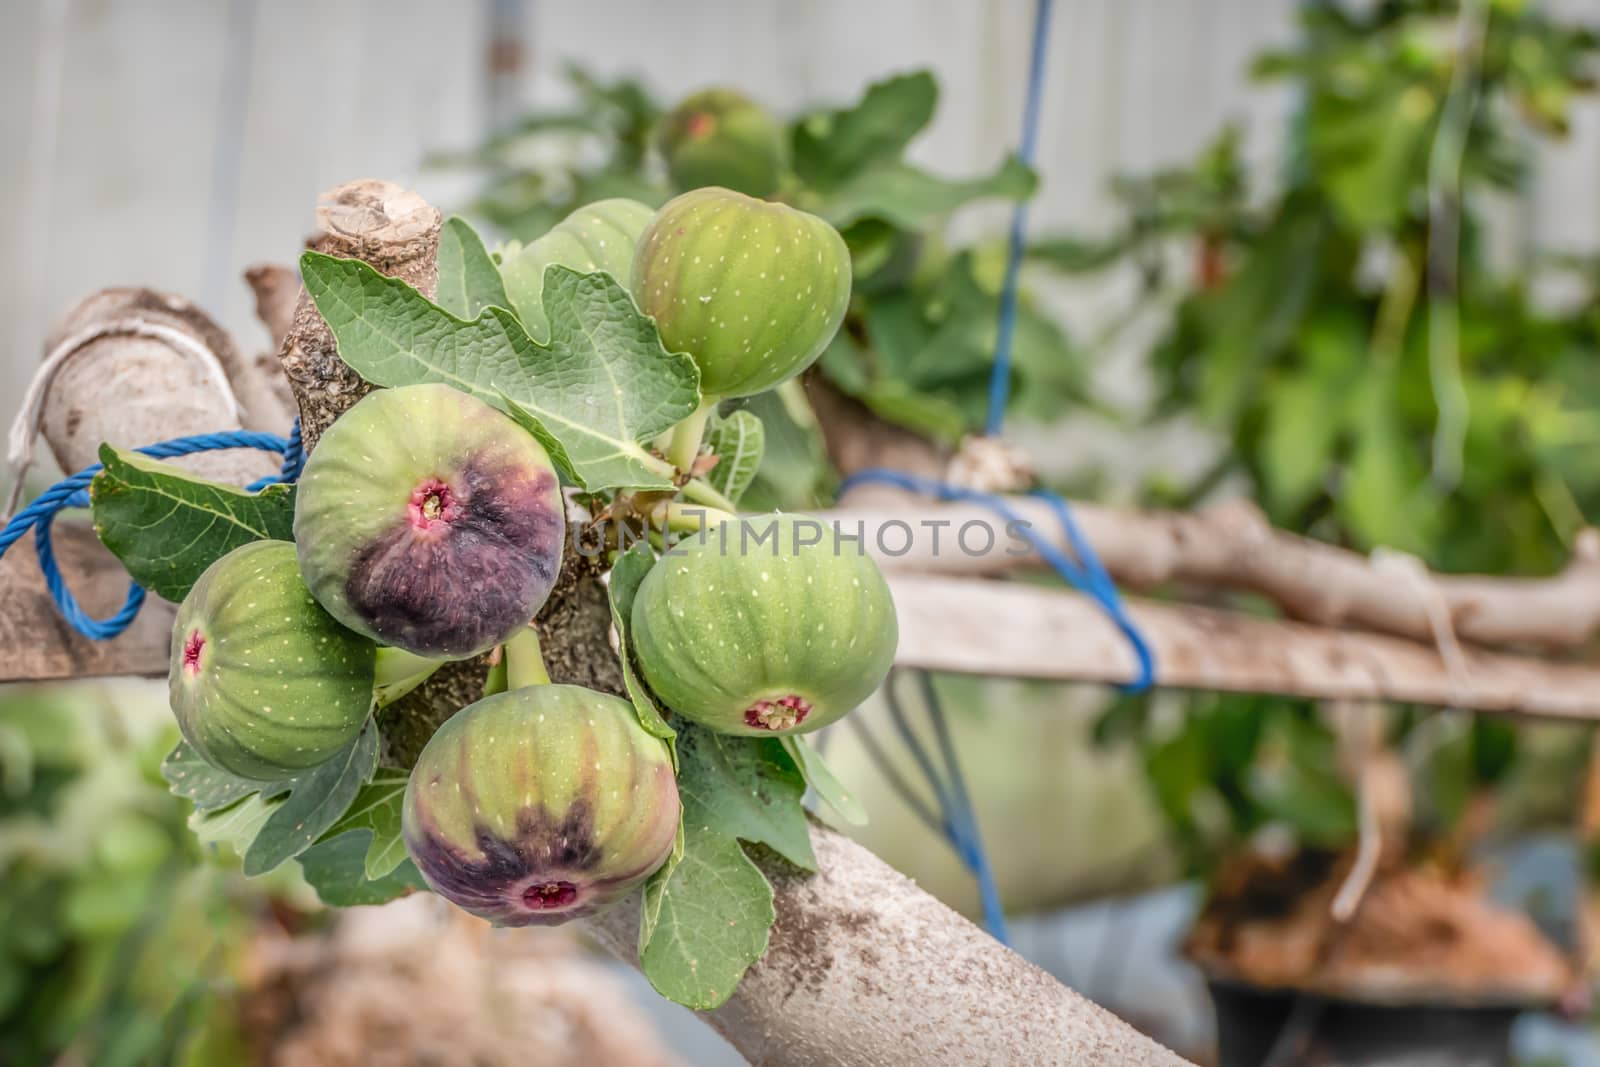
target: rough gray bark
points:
(136, 389)
(867, 970)
(394, 230)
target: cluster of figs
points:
(430, 527)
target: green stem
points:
(679, 517)
(397, 672)
(687, 435)
(697, 489)
(524, 660)
(701, 492)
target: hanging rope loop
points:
(73, 492)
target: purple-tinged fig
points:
(765, 625)
(540, 805)
(753, 291)
(263, 682)
(429, 521)
(722, 137)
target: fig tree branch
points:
(996, 1000)
(1028, 631)
(1232, 547)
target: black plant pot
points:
(1289, 1029)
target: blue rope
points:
(73, 492)
(957, 820)
(1000, 373)
(1085, 573)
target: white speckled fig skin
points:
(427, 520)
(263, 682)
(596, 237)
(540, 805)
(745, 633)
(753, 291)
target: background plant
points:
(1374, 373)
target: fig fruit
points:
(597, 237)
(764, 625)
(265, 683)
(540, 805)
(722, 137)
(753, 291)
(429, 521)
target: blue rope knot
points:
(73, 492)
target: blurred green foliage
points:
(1373, 371)
(919, 339)
(116, 944)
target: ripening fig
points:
(764, 625)
(264, 683)
(722, 137)
(753, 291)
(596, 237)
(540, 805)
(429, 521)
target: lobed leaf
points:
(715, 917)
(913, 199)
(707, 913)
(601, 388)
(469, 281)
(830, 146)
(167, 527)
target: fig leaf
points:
(602, 387)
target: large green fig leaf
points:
(626, 574)
(738, 441)
(601, 388)
(708, 915)
(167, 527)
(376, 808)
(469, 281)
(315, 802)
(830, 146)
(912, 198)
(714, 915)
(335, 868)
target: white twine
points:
(25, 427)
(1437, 609)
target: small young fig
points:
(722, 137)
(264, 683)
(753, 291)
(764, 625)
(540, 805)
(429, 521)
(596, 237)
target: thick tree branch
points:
(864, 968)
(1232, 547)
(139, 366)
(1026, 631)
(394, 230)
